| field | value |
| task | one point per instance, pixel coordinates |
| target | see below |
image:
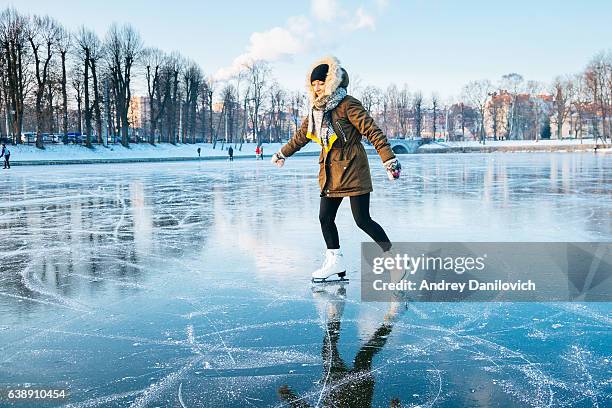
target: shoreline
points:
(491, 148)
(156, 154)
(139, 160)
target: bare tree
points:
(562, 90)
(89, 53)
(241, 77)
(209, 89)
(123, 48)
(14, 44)
(403, 101)
(397, 110)
(297, 103)
(434, 110)
(77, 84)
(496, 112)
(598, 77)
(94, 59)
(258, 72)
(476, 94)
(176, 64)
(64, 43)
(276, 109)
(370, 98)
(43, 34)
(513, 84)
(579, 103)
(228, 96)
(540, 118)
(154, 60)
(417, 107)
(192, 81)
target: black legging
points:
(360, 206)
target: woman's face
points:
(318, 87)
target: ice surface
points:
(187, 284)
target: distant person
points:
(261, 152)
(6, 153)
(257, 152)
(230, 152)
(199, 151)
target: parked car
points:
(28, 137)
(73, 137)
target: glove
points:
(278, 158)
(393, 168)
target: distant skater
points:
(199, 151)
(6, 153)
(230, 152)
(261, 155)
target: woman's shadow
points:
(344, 386)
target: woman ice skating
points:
(337, 122)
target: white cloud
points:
(325, 10)
(298, 33)
(361, 20)
(272, 45)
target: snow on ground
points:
(29, 154)
(511, 143)
(138, 151)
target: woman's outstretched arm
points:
(297, 141)
(364, 123)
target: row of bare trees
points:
(40, 61)
(576, 106)
(56, 81)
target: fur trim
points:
(334, 76)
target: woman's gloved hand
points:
(278, 158)
(394, 168)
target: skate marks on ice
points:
(463, 369)
(127, 278)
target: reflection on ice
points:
(187, 284)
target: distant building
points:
(139, 113)
(531, 112)
(217, 107)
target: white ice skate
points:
(332, 270)
(397, 273)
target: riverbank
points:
(565, 145)
(75, 154)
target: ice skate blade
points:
(340, 277)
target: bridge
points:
(399, 146)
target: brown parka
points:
(344, 170)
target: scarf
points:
(320, 128)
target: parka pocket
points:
(346, 175)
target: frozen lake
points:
(187, 284)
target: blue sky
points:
(430, 45)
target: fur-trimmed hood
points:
(336, 75)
